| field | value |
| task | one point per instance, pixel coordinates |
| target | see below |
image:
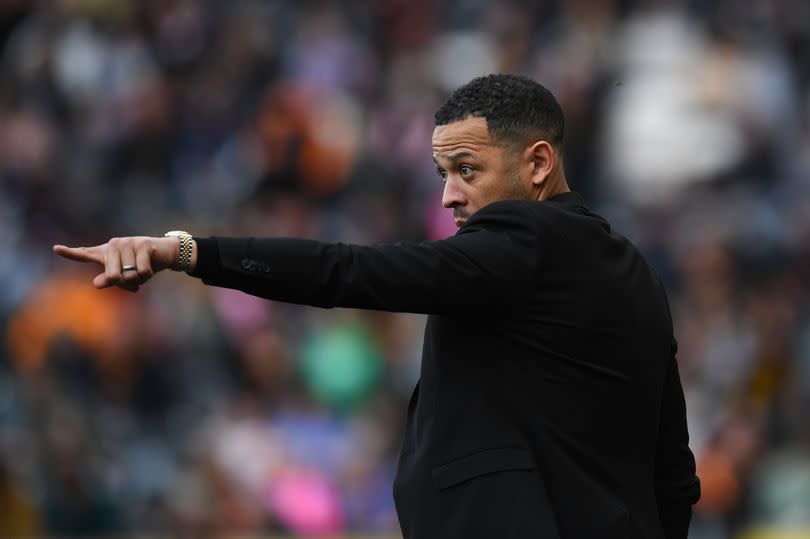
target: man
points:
(549, 403)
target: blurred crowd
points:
(197, 411)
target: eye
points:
(443, 173)
(465, 170)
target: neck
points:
(554, 185)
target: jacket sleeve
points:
(677, 487)
(489, 264)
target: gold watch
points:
(184, 261)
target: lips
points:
(460, 222)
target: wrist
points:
(174, 249)
(184, 250)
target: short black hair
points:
(518, 110)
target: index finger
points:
(81, 254)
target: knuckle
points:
(120, 243)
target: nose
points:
(452, 195)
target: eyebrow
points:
(456, 156)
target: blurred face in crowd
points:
(477, 171)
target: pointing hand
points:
(128, 262)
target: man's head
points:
(498, 137)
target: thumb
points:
(101, 281)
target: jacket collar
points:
(570, 199)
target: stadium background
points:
(202, 412)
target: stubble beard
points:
(515, 189)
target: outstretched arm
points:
(489, 265)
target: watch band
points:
(186, 245)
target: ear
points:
(542, 159)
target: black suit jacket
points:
(549, 403)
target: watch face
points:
(176, 233)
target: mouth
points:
(460, 222)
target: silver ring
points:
(129, 268)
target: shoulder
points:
(510, 206)
(506, 211)
(511, 218)
(526, 214)
(512, 221)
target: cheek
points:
(495, 188)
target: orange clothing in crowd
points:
(67, 305)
